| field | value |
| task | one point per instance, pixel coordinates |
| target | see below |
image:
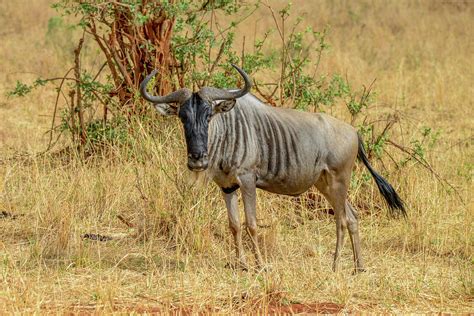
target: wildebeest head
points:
(195, 110)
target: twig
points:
(388, 126)
(460, 142)
(125, 221)
(118, 62)
(281, 31)
(106, 52)
(77, 74)
(55, 110)
(427, 166)
(100, 70)
(216, 61)
(391, 158)
(268, 98)
(73, 121)
(242, 59)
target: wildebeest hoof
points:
(358, 270)
(263, 268)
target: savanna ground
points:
(176, 255)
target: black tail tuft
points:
(395, 203)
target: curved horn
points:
(178, 96)
(221, 94)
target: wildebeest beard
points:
(195, 114)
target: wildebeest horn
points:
(211, 93)
(178, 96)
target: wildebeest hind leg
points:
(353, 227)
(334, 188)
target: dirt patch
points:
(272, 309)
(298, 308)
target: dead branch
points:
(77, 74)
(125, 221)
(55, 110)
(427, 166)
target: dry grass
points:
(421, 54)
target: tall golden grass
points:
(176, 253)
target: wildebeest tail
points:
(395, 203)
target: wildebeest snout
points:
(198, 162)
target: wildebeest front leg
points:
(249, 195)
(235, 227)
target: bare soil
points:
(271, 309)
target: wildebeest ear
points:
(223, 106)
(166, 109)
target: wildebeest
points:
(243, 143)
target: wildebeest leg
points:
(353, 227)
(235, 227)
(335, 191)
(249, 195)
(340, 226)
